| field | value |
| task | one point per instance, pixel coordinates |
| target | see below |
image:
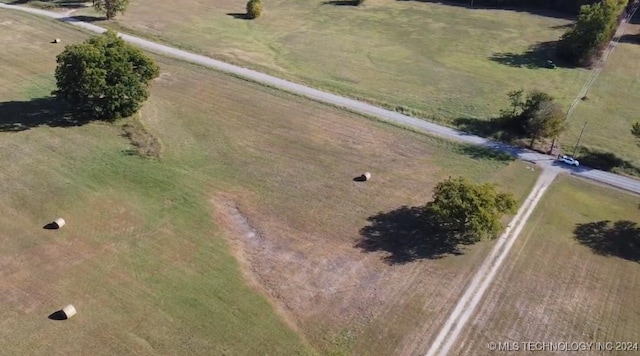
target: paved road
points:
(547, 162)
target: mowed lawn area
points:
(149, 255)
(574, 275)
(139, 257)
(438, 61)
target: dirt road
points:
(485, 275)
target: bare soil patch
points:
(314, 285)
(300, 277)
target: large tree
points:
(547, 121)
(104, 77)
(468, 212)
(110, 7)
(594, 28)
(535, 115)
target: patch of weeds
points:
(144, 144)
(342, 343)
(43, 5)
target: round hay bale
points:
(367, 176)
(69, 311)
(59, 222)
(57, 40)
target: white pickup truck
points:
(569, 160)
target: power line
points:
(610, 48)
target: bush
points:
(254, 9)
(145, 145)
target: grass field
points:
(148, 255)
(139, 257)
(437, 61)
(443, 62)
(572, 277)
(611, 110)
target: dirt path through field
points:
(485, 275)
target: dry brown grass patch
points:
(324, 290)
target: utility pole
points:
(577, 143)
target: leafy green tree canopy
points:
(104, 77)
(535, 115)
(110, 7)
(547, 121)
(468, 211)
(594, 28)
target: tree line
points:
(596, 25)
(581, 45)
(570, 7)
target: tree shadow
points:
(630, 38)
(485, 153)
(557, 13)
(16, 116)
(620, 239)
(505, 139)
(239, 16)
(493, 128)
(406, 235)
(606, 161)
(83, 18)
(537, 56)
(341, 2)
(69, 4)
(562, 27)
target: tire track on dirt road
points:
(487, 271)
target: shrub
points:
(145, 144)
(254, 9)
